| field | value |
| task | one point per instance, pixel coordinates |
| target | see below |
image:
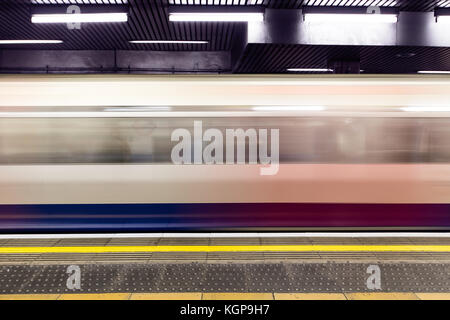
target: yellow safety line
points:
(253, 248)
(232, 296)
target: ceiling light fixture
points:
(169, 41)
(217, 16)
(80, 18)
(405, 55)
(310, 70)
(433, 72)
(30, 41)
(443, 19)
(442, 15)
(350, 18)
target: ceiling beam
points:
(110, 61)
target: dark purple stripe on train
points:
(218, 216)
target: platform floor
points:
(226, 268)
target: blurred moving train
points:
(93, 153)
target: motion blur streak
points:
(138, 217)
(308, 138)
(93, 153)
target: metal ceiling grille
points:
(374, 59)
(148, 21)
(408, 5)
(79, 1)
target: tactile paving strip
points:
(225, 277)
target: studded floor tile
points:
(225, 277)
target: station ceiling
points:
(149, 20)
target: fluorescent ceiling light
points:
(217, 16)
(75, 1)
(443, 19)
(433, 72)
(288, 108)
(169, 41)
(309, 70)
(29, 41)
(80, 17)
(350, 18)
(426, 109)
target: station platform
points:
(226, 266)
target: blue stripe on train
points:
(217, 216)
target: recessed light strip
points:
(350, 18)
(433, 72)
(216, 16)
(168, 41)
(443, 19)
(30, 41)
(80, 17)
(310, 70)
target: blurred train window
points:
(147, 140)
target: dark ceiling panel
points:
(262, 58)
(149, 21)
